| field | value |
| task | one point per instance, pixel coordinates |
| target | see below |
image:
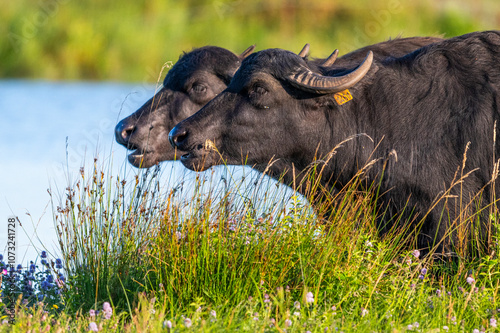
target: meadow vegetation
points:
(143, 258)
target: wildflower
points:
(32, 268)
(213, 313)
(266, 298)
(93, 327)
(416, 324)
(446, 328)
(470, 280)
(43, 254)
(44, 262)
(167, 324)
(288, 323)
(493, 322)
(55, 306)
(296, 314)
(108, 311)
(188, 322)
(309, 297)
(256, 316)
(438, 292)
(5, 322)
(410, 327)
(296, 305)
(475, 330)
(92, 313)
(449, 293)
(1, 257)
(364, 312)
(58, 263)
(368, 244)
(416, 253)
(19, 268)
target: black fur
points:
(146, 130)
(425, 106)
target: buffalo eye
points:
(257, 91)
(198, 88)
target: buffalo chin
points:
(141, 159)
(199, 161)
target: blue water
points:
(48, 130)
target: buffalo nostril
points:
(123, 132)
(177, 137)
(127, 133)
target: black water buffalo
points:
(419, 115)
(198, 77)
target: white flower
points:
(288, 323)
(296, 313)
(368, 244)
(93, 327)
(187, 322)
(167, 324)
(416, 253)
(410, 327)
(475, 330)
(364, 312)
(309, 297)
(446, 328)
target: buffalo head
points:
(194, 80)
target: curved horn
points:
(331, 59)
(305, 51)
(306, 80)
(247, 52)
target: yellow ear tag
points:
(342, 97)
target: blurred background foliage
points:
(131, 40)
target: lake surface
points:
(48, 130)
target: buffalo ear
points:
(247, 52)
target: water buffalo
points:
(429, 117)
(198, 77)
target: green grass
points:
(129, 40)
(162, 256)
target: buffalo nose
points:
(177, 136)
(123, 132)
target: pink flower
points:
(470, 280)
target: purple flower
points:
(19, 268)
(438, 292)
(266, 298)
(416, 253)
(43, 254)
(167, 324)
(188, 322)
(288, 323)
(32, 268)
(44, 262)
(92, 313)
(423, 271)
(1, 257)
(470, 280)
(309, 297)
(108, 311)
(493, 322)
